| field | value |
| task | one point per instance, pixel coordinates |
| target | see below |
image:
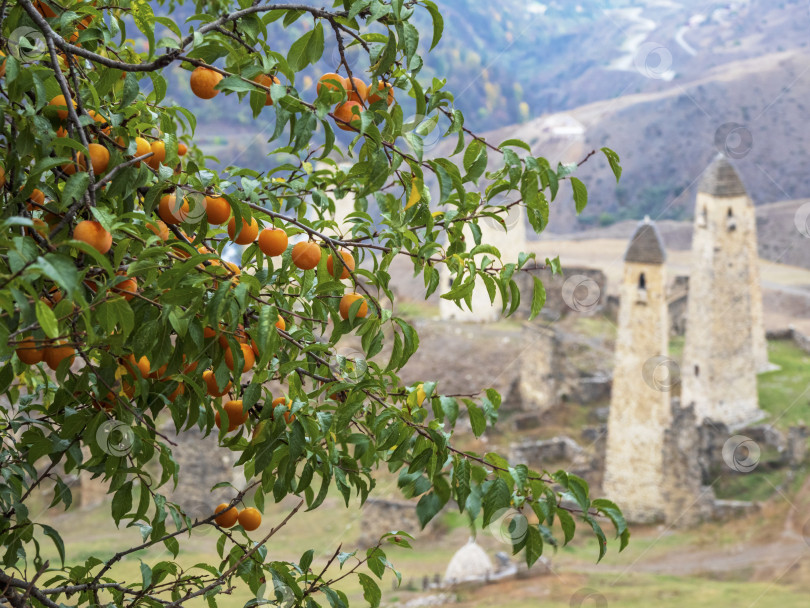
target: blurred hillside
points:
(665, 84)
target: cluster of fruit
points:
(227, 517)
(358, 95)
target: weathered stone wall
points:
(686, 500)
(639, 412)
(724, 321)
(539, 370)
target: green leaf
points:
(371, 592)
(47, 320)
(567, 524)
(580, 194)
(427, 508)
(438, 22)
(307, 49)
(478, 421)
(538, 298)
(497, 498)
(614, 161)
(534, 545)
(75, 187)
(57, 540)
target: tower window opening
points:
(703, 218)
(642, 281)
(731, 223)
(697, 371)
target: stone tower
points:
(510, 240)
(640, 402)
(725, 344)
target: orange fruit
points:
(347, 265)
(44, 10)
(281, 324)
(203, 81)
(60, 103)
(158, 149)
(306, 255)
(288, 415)
(348, 112)
(2, 64)
(266, 81)
(211, 384)
(177, 392)
(142, 365)
(247, 355)
(41, 227)
(61, 132)
(159, 228)
(92, 233)
(85, 22)
(250, 519)
(227, 515)
(28, 352)
(2, 177)
(356, 89)
(127, 288)
(170, 212)
(182, 149)
(377, 93)
(107, 404)
(99, 158)
(37, 196)
(54, 355)
(100, 120)
(346, 303)
(190, 367)
(239, 335)
(159, 373)
(79, 165)
(142, 147)
(273, 241)
(217, 210)
(247, 234)
(236, 417)
(332, 81)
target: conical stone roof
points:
(720, 179)
(646, 246)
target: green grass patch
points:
(785, 393)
